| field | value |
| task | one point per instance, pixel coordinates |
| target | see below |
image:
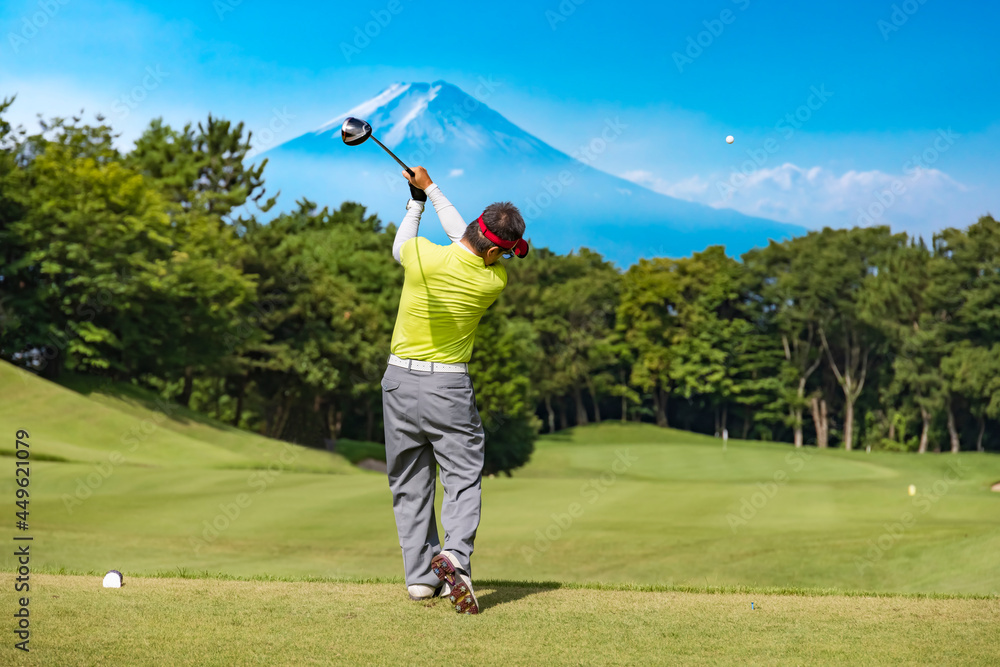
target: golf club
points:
(355, 131)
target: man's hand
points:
(420, 179)
(417, 194)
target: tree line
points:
(155, 266)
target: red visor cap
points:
(520, 246)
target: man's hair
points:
(501, 218)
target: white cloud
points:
(919, 201)
(455, 173)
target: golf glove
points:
(417, 194)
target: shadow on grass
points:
(139, 396)
(510, 591)
(36, 456)
(353, 450)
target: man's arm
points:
(452, 221)
(408, 228)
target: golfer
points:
(427, 396)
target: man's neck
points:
(468, 246)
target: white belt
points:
(432, 366)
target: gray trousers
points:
(431, 419)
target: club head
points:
(355, 131)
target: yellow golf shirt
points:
(446, 290)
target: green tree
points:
(319, 347)
(966, 297)
(782, 298)
(648, 319)
(710, 330)
(115, 285)
(847, 264)
(974, 372)
(898, 303)
(506, 349)
(205, 170)
(570, 302)
(14, 283)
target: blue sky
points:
(895, 80)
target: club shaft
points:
(408, 170)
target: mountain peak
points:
(410, 115)
(395, 106)
(478, 157)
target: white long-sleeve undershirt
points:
(451, 220)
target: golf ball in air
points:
(912, 490)
(730, 139)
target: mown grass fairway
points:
(618, 504)
(214, 622)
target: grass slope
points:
(610, 503)
(89, 420)
(217, 622)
